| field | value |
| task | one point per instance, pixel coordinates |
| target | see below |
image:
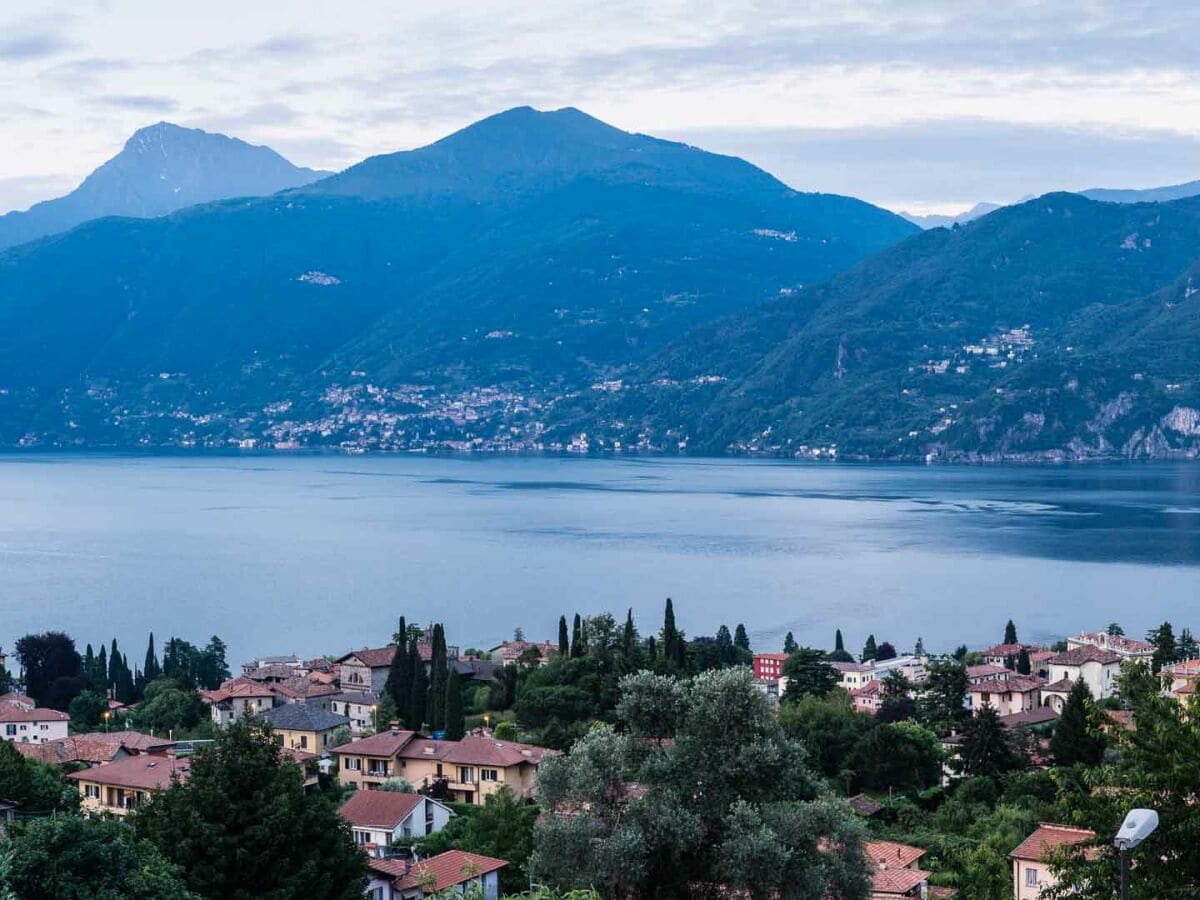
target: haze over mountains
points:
(541, 276)
(161, 169)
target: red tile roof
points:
(896, 882)
(1081, 655)
(1114, 641)
(383, 810)
(14, 712)
(477, 750)
(92, 747)
(987, 670)
(1006, 650)
(1039, 715)
(1014, 684)
(1047, 838)
(381, 657)
(145, 773)
(385, 743)
(1062, 686)
(239, 687)
(424, 748)
(891, 854)
(448, 869)
(864, 805)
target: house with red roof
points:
(1096, 666)
(1008, 696)
(23, 722)
(118, 787)
(94, 748)
(867, 698)
(239, 697)
(1122, 646)
(1031, 858)
(469, 769)
(452, 872)
(367, 669)
(380, 819)
(507, 653)
(894, 870)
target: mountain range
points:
(530, 254)
(1062, 327)
(161, 169)
(542, 280)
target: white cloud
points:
(336, 85)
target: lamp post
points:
(1138, 825)
(106, 715)
(375, 716)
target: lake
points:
(321, 554)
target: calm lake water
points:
(321, 554)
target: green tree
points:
(1163, 639)
(730, 759)
(564, 646)
(1115, 630)
(987, 747)
(73, 858)
(941, 705)
(1023, 665)
(399, 681)
(150, 667)
(1078, 738)
(417, 703)
(869, 649)
(47, 658)
(900, 755)
(829, 729)
(741, 640)
(212, 667)
(170, 705)
(243, 826)
(37, 787)
(789, 644)
(809, 674)
(726, 649)
(919, 647)
(435, 713)
(87, 711)
(577, 637)
(1010, 633)
(1187, 648)
(456, 722)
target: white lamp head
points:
(1138, 825)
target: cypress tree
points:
(740, 638)
(789, 644)
(670, 634)
(629, 636)
(1163, 639)
(101, 678)
(436, 712)
(89, 666)
(456, 722)
(150, 667)
(869, 649)
(1010, 633)
(1077, 737)
(726, 652)
(1023, 665)
(420, 689)
(114, 664)
(399, 681)
(652, 650)
(564, 646)
(577, 638)
(837, 641)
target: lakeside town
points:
(571, 767)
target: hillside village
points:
(403, 776)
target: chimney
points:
(393, 726)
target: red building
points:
(769, 666)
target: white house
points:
(23, 722)
(1096, 667)
(1124, 647)
(449, 873)
(852, 675)
(379, 819)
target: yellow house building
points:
(471, 769)
(304, 726)
(118, 787)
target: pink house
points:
(1015, 694)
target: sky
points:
(919, 105)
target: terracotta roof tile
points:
(477, 750)
(379, 809)
(896, 882)
(385, 743)
(448, 869)
(891, 854)
(146, 773)
(1047, 838)
(1081, 655)
(18, 712)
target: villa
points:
(23, 722)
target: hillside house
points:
(447, 874)
(1124, 647)
(379, 819)
(118, 787)
(1015, 694)
(23, 722)
(304, 726)
(1031, 858)
(894, 871)
(1098, 668)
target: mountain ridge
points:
(160, 169)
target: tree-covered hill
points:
(1059, 327)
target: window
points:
(488, 775)
(466, 774)
(304, 742)
(1031, 878)
(362, 837)
(10, 729)
(92, 791)
(353, 764)
(377, 767)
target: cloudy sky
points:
(926, 106)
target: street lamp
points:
(1138, 825)
(375, 716)
(486, 721)
(106, 715)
